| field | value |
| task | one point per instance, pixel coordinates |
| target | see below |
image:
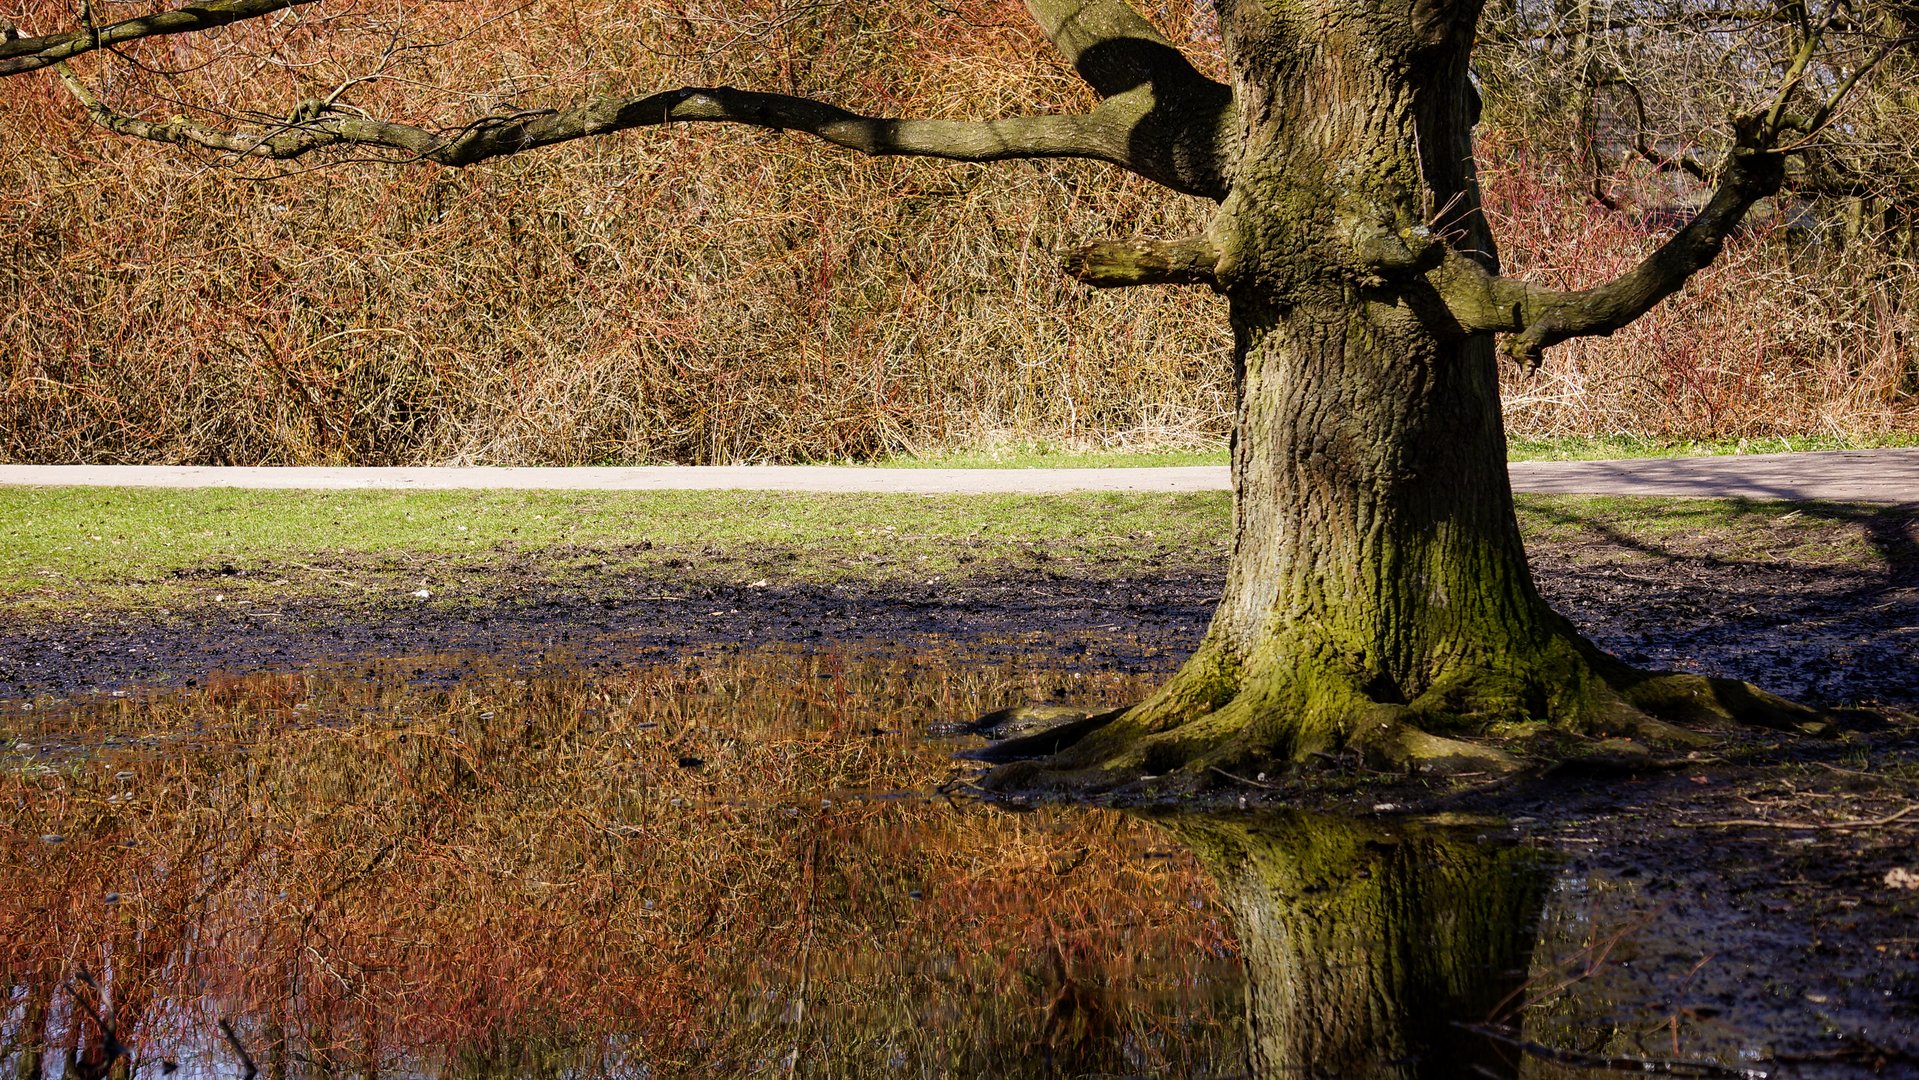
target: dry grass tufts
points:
(696, 295)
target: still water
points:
(763, 864)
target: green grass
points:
(133, 542)
(1816, 534)
(98, 549)
(1607, 447)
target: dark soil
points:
(513, 607)
(1828, 631)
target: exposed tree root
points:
(1566, 702)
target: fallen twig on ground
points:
(1760, 823)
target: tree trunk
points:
(1378, 595)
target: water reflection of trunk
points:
(1365, 942)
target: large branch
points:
(1118, 131)
(23, 54)
(1100, 135)
(1538, 318)
(1113, 47)
(1188, 129)
(1753, 169)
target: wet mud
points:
(1842, 632)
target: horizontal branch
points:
(1120, 130)
(1112, 264)
(1538, 318)
(1087, 136)
(23, 54)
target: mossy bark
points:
(1366, 944)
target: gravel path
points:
(1881, 476)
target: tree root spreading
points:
(1612, 719)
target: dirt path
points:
(1879, 476)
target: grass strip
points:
(101, 548)
(128, 543)
(1040, 455)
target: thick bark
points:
(1367, 944)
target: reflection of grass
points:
(668, 865)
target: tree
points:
(1378, 597)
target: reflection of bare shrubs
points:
(521, 871)
(98, 1051)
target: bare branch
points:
(24, 54)
(1824, 113)
(1101, 135)
(1753, 169)
(1159, 116)
(1539, 318)
(1174, 143)
(1110, 264)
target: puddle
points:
(762, 864)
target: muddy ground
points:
(1792, 938)
(1830, 630)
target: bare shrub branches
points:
(19, 55)
(1695, 110)
(694, 296)
(690, 298)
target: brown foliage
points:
(698, 296)
(1607, 120)
(703, 295)
(1785, 334)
